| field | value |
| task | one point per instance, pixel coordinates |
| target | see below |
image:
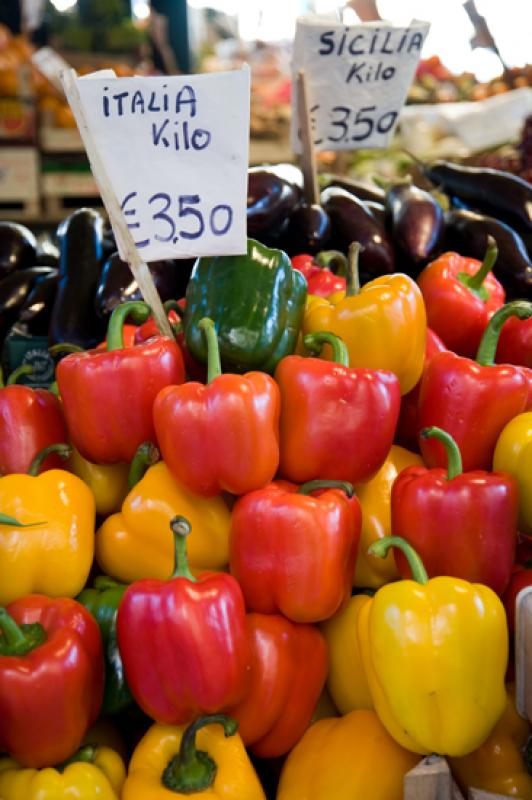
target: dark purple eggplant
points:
(18, 248)
(467, 232)
(492, 191)
(117, 284)
(308, 230)
(378, 211)
(352, 221)
(271, 199)
(80, 247)
(14, 290)
(35, 314)
(361, 190)
(288, 172)
(416, 222)
(47, 251)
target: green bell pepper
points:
(102, 603)
(257, 302)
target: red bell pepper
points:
(327, 410)
(288, 672)
(293, 553)
(108, 396)
(320, 280)
(183, 641)
(51, 678)
(461, 295)
(515, 343)
(30, 420)
(462, 524)
(129, 338)
(195, 370)
(223, 436)
(407, 426)
(472, 400)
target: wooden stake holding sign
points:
(432, 780)
(523, 653)
(308, 158)
(138, 267)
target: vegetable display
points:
(277, 552)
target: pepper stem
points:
(454, 457)
(314, 486)
(173, 305)
(18, 640)
(353, 277)
(214, 366)
(85, 755)
(19, 372)
(139, 313)
(315, 341)
(181, 528)
(380, 549)
(14, 523)
(146, 455)
(65, 348)
(490, 338)
(64, 451)
(333, 260)
(475, 282)
(193, 770)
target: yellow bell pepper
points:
(513, 454)
(346, 679)
(346, 758)
(166, 764)
(94, 772)
(55, 554)
(498, 765)
(135, 543)
(108, 482)
(435, 654)
(375, 500)
(383, 325)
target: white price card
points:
(51, 65)
(175, 151)
(357, 76)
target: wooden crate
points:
(19, 183)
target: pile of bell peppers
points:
(222, 574)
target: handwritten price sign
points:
(357, 77)
(175, 150)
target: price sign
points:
(357, 77)
(175, 151)
(51, 65)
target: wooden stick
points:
(523, 653)
(478, 794)
(430, 780)
(308, 160)
(138, 267)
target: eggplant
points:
(47, 251)
(361, 190)
(18, 248)
(308, 230)
(117, 284)
(14, 290)
(352, 221)
(36, 312)
(80, 247)
(467, 232)
(416, 222)
(271, 199)
(378, 211)
(492, 191)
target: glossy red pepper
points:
(320, 280)
(461, 295)
(288, 672)
(30, 420)
(293, 553)
(183, 641)
(108, 396)
(223, 436)
(407, 426)
(462, 524)
(327, 410)
(472, 400)
(515, 343)
(129, 337)
(51, 678)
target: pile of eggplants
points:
(403, 228)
